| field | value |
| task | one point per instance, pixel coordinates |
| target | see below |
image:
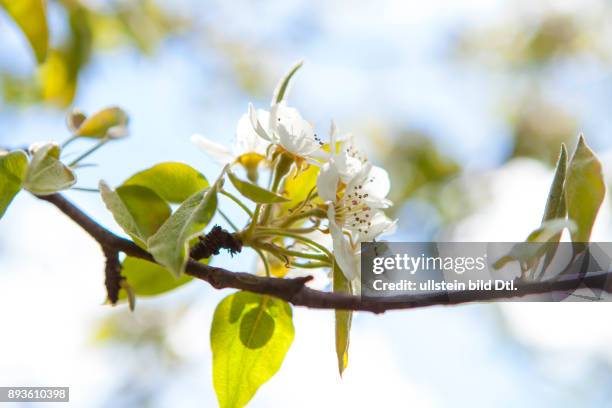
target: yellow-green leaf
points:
(343, 319)
(148, 278)
(255, 193)
(30, 16)
(281, 89)
(584, 190)
(297, 186)
(249, 337)
(169, 246)
(137, 209)
(110, 122)
(174, 182)
(46, 174)
(555, 204)
(538, 242)
(13, 167)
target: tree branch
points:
(294, 291)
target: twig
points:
(294, 291)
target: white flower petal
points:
(327, 182)
(378, 183)
(215, 150)
(247, 140)
(253, 116)
(333, 131)
(347, 258)
(381, 225)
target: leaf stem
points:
(237, 201)
(281, 169)
(301, 238)
(226, 218)
(90, 151)
(68, 141)
(264, 260)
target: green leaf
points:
(13, 167)
(148, 278)
(555, 204)
(46, 174)
(584, 190)
(249, 337)
(169, 246)
(343, 320)
(109, 122)
(174, 182)
(538, 242)
(281, 89)
(138, 210)
(31, 17)
(255, 193)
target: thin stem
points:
(301, 238)
(86, 189)
(69, 140)
(264, 260)
(281, 169)
(237, 201)
(226, 218)
(311, 265)
(88, 152)
(281, 252)
(255, 218)
(315, 212)
(307, 230)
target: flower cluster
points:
(351, 191)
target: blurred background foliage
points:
(79, 31)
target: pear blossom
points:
(355, 209)
(247, 149)
(357, 202)
(349, 160)
(284, 126)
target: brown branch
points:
(112, 274)
(294, 291)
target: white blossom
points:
(246, 146)
(284, 126)
(355, 209)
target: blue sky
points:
(383, 63)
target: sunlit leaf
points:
(138, 210)
(74, 119)
(169, 246)
(584, 190)
(174, 182)
(148, 278)
(281, 89)
(343, 320)
(30, 16)
(58, 81)
(249, 337)
(109, 122)
(298, 186)
(538, 242)
(46, 174)
(13, 167)
(254, 192)
(555, 204)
